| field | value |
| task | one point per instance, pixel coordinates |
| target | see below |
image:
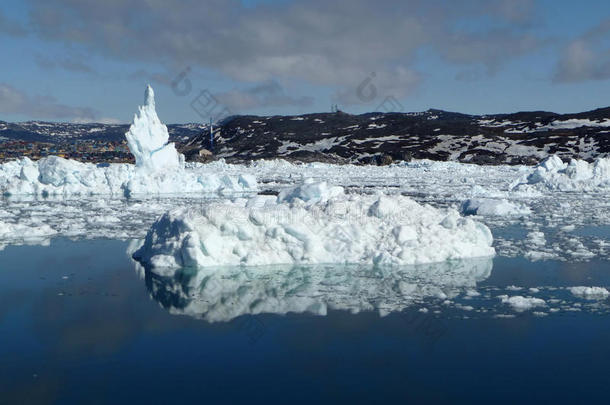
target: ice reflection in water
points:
(223, 294)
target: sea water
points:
(81, 323)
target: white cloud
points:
(586, 57)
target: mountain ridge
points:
(523, 137)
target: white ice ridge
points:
(578, 175)
(159, 169)
(148, 139)
(345, 228)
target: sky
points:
(89, 61)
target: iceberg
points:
(339, 229)
(148, 138)
(159, 169)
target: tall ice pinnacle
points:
(148, 139)
(149, 96)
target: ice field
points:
(528, 221)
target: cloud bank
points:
(335, 44)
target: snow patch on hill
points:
(575, 123)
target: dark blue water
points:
(78, 325)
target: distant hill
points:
(56, 132)
(518, 138)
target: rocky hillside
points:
(520, 138)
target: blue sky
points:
(82, 60)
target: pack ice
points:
(312, 224)
(159, 168)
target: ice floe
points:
(520, 303)
(346, 228)
(590, 293)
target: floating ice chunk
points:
(148, 139)
(540, 314)
(520, 304)
(376, 230)
(590, 293)
(578, 175)
(536, 238)
(310, 192)
(489, 207)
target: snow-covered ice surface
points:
(562, 215)
(55, 176)
(561, 225)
